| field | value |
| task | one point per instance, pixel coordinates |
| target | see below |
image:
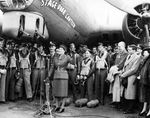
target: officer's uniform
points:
(50, 72)
(39, 72)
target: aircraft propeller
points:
(143, 13)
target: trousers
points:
(38, 77)
(100, 85)
(88, 87)
(2, 87)
(10, 84)
(72, 76)
(25, 73)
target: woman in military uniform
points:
(60, 82)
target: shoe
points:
(113, 106)
(102, 102)
(118, 107)
(29, 99)
(112, 103)
(128, 112)
(61, 110)
(142, 114)
(13, 100)
(147, 116)
(2, 102)
(19, 98)
(56, 109)
(122, 109)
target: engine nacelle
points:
(20, 25)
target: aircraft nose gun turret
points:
(24, 25)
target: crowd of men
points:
(92, 73)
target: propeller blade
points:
(125, 5)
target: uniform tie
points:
(129, 57)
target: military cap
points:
(86, 49)
(9, 42)
(72, 44)
(2, 39)
(146, 48)
(24, 45)
(100, 44)
(64, 47)
(52, 44)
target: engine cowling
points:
(133, 26)
(21, 25)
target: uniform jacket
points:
(13, 56)
(40, 60)
(74, 59)
(87, 65)
(50, 66)
(59, 66)
(24, 60)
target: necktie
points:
(129, 57)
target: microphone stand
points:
(46, 107)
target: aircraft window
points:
(22, 22)
(44, 25)
(38, 23)
(21, 26)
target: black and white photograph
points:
(74, 58)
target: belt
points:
(12, 68)
(72, 69)
(24, 68)
(39, 68)
(2, 67)
(59, 68)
